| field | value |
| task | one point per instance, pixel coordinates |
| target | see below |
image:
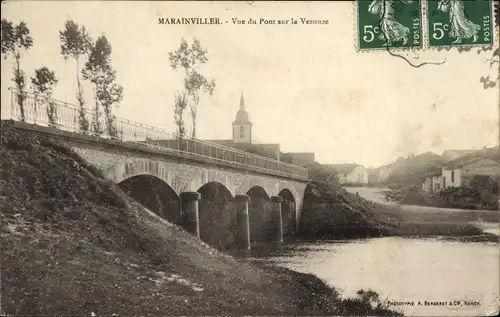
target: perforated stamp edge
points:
(355, 18)
(463, 47)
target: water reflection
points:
(400, 269)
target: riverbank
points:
(331, 212)
(396, 269)
(450, 198)
(75, 244)
(337, 213)
(428, 222)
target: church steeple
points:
(242, 127)
(242, 102)
(242, 115)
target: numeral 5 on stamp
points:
(460, 22)
(383, 24)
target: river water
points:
(404, 270)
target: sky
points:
(306, 87)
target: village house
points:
(385, 172)
(460, 172)
(373, 176)
(433, 182)
(350, 173)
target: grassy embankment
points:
(471, 198)
(73, 244)
(331, 213)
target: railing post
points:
(11, 103)
(35, 104)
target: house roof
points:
(342, 168)
(431, 174)
(463, 161)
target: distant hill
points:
(450, 155)
(416, 162)
(408, 171)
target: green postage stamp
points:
(460, 22)
(395, 24)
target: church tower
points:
(242, 127)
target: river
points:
(404, 270)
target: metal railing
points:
(31, 108)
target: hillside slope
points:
(408, 171)
(330, 212)
(74, 244)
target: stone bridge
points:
(224, 206)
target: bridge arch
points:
(184, 177)
(288, 212)
(129, 164)
(129, 168)
(154, 194)
(260, 214)
(216, 215)
(243, 185)
(187, 176)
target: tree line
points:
(76, 44)
(92, 61)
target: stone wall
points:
(119, 164)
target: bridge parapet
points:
(30, 108)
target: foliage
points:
(75, 40)
(43, 84)
(180, 104)
(76, 43)
(15, 39)
(406, 178)
(411, 171)
(190, 59)
(44, 81)
(95, 125)
(98, 71)
(484, 183)
(322, 174)
(7, 36)
(367, 302)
